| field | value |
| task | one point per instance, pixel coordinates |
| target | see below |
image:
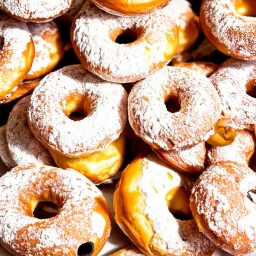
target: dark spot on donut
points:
(181, 216)
(85, 249)
(127, 37)
(251, 88)
(172, 105)
(251, 194)
(45, 210)
(1, 43)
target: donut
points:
(4, 151)
(240, 151)
(130, 250)
(226, 25)
(35, 11)
(81, 227)
(146, 188)
(223, 204)
(123, 50)
(17, 53)
(23, 88)
(23, 146)
(234, 81)
(199, 110)
(49, 48)
(130, 8)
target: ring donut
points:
(96, 37)
(83, 221)
(226, 26)
(146, 188)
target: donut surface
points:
(95, 35)
(226, 25)
(130, 250)
(234, 81)
(23, 146)
(17, 53)
(146, 188)
(223, 204)
(83, 216)
(35, 11)
(199, 108)
(72, 89)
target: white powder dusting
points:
(23, 146)
(103, 125)
(199, 102)
(235, 32)
(98, 224)
(230, 81)
(122, 62)
(61, 234)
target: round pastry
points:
(199, 110)
(35, 11)
(130, 8)
(48, 48)
(130, 250)
(240, 151)
(234, 81)
(23, 146)
(223, 205)
(81, 227)
(226, 26)
(121, 49)
(70, 90)
(146, 188)
(17, 53)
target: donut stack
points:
(152, 104)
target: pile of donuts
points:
(158, 100)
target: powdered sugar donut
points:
(97, 40)
(223, 205)
(226, 26)
(146, 188)
(73, 89)
(234, 81)
(23, 146)
(35, 11)
(130, 250)
(199, 110)
(81, 227)
(48, 48)
(17, 53)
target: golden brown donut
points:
(226, 25)
(145, 199)
(81, 226)
(223, 205)
(130, 8)
(98, 39)
(130, 250)
(17, 53)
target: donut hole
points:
(85, 249)
(251, 195)
(45, 210)
(246, 7)
(173, 105)
(127, 36)
(251, 88)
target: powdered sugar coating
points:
(72, 11)
(74, 194)
(23, 146)
(104, 123)
(4, 151)
(231, 80)
(199, 102)
(227, 30)
(39, 10)
(172, 236)
(221, 199)
(154, 47)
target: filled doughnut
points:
(48, 48)
(146, 188)
(199, 110)
(130, 8)
(223, 205)
(81, 226)
(17, 53)
(121, 49)
(23, 146)
(230, 26)
(35, 11)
